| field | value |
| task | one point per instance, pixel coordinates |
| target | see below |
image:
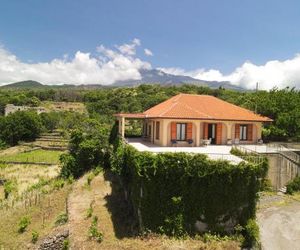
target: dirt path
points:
(80, 199)
(280, 224)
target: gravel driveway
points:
(280, 224)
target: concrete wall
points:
(281, 170)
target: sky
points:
(101, 42)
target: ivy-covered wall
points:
(170, 192)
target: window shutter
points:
(219, 133)
(250, 132)
(237, 131)
(189, 131)
(173, 131)
(205, 132)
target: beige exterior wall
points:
(228, 131)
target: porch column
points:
(229, 131)
(123, 127)
(164, 132)
(197, 134)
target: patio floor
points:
(214, 152)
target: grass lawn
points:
(37, 156)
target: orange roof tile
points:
(203, 107)
(187, 106)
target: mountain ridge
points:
(152, 76)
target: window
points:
(243, 132)
(181, 131)
(157, 127)
(149, 130)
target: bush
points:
(34, 237)
(20, 126)
(251, 233)
(93, 231)
(23, 224)
(61, 219)
(10, 186)
(90, 177)
(293, 186)
(171, 191)
(89, 211)
(66, 245)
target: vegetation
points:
(94, 233)
(36, 156)
(251, 233)
(35, 237)
(20, 126)
(172, 191)
(293, 186)
(280, 105)
(88, 149)
(23, 224)
(61, 219)
(10, 186)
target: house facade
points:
(194, 120)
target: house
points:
(192, 120)
(11, 108)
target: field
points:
(35, 156)
(36, 193)
(26, 175)
(42, 220)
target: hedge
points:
(170, 192)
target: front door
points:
(212, 132)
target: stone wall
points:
(54, 242)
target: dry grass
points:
(27, 175)
(14, 150)
(42, 219)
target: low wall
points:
(281, 170)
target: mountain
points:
(152, 76)
(24, 85)
(156, 76)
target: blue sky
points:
(186, 35)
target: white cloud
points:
(273, 73)
(148, 52)
(129, 49)
(107, 67)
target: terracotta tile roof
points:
(186, 106)
(127, 115)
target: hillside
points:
(29, 84)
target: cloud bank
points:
(272, 74)
(107, 67)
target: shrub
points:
(293, 186)
(58, 183)
(23, 224)
(93, 231)
(66, 245)
(10, 186)
(90, 177)
(34, 237)
(251, 233)
(89, 211)
(171, 191)
(61, 219)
